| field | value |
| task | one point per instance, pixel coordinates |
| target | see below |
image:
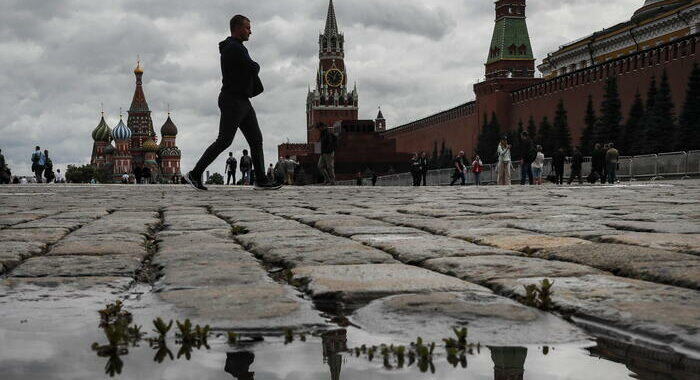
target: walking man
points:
(415, 169)
(460, 166)
(38, 162)
(611, 158)
(326, 164)
(240, 83)
(231, 167)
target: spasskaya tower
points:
(330, 101)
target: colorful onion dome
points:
(150, 145)
(103, 132)
(121, 132)
(169, 128)
(109, 149)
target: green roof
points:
(510, 41)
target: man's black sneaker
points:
(197, 184)
(267, 186)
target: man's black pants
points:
(526, 172)
(231, 174)
(236, 112)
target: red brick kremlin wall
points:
(460, 126)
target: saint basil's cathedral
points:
(136, 144)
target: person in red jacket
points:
(477, 168)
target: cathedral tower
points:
(510, 53)
(330, 101)
(102, 137)
(139, 120)
(169, 152)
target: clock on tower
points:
(331, 100)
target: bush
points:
(215, 179)
(85, 173)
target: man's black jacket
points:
(328, 142)
(239, 71)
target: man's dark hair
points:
(237, 20)
(37, 147)
(230, 154)
(287, 156)
(245, 151)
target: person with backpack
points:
(38, 163)
(231, 167)
(246, 165)
(48, 167)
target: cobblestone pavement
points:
(622, 258)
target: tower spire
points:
(331, 22)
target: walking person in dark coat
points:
(558, 160)
(240, 83)
(597, 164)
(460, 166)
(576, 163)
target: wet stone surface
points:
(390, 263)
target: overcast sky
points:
(60, 59)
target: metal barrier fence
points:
(649, 166)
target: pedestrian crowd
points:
(531, 160)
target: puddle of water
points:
(45, 334)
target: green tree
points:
(631, 141)
(560, 131)
(532, 128)
(690, 115)
(215, 179)
(545, 137)
(660, 123)
(85, 174)
(610, 114)
(586, 142)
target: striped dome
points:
(121, 132)
(103, 132)
(150, 145)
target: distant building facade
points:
(136, 143)
(661, 35)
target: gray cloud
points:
(62, 58)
